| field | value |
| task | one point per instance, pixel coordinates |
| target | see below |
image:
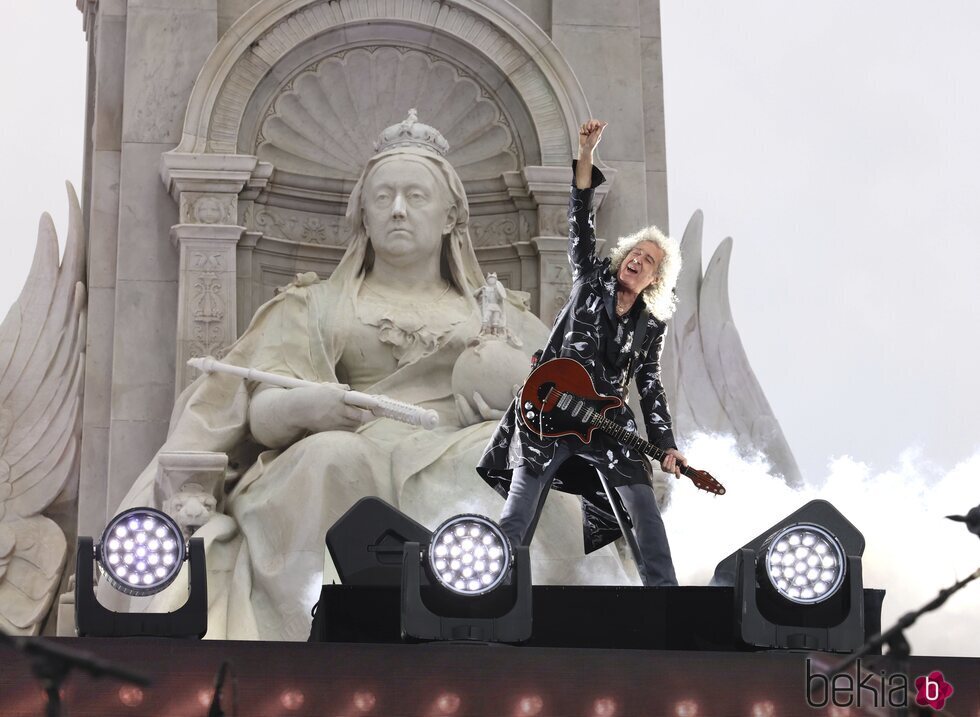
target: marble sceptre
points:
(380, 406)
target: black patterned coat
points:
(588, 330)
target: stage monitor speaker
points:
(367, 542)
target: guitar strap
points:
(639, 333)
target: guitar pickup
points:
(577, 408)
(564, 401)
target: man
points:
(614, 324)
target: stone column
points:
(548, 188)
(655, 141)
(166, 45)
(602, 44)
(206, 188)
(105, 26)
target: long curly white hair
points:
(659, 296)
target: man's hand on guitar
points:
(673, 461)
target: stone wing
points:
(706, 370)
(42, 342)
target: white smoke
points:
(912, 550)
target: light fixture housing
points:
(813, 608)
(121, 545)
(492, 604)
(374, 545)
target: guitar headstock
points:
(704, 480)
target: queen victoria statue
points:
(394, 318)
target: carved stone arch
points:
(267, 32)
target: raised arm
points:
(581, 217)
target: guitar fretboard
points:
(578, 408)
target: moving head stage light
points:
(799, 585)
(140, 553)
(461, 582)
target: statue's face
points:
(640, 267)
(406, 212)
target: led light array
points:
(469, 555)
(805, 564)
(141, 551)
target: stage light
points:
(292, 700)
(806, 564)
(462, 582)
(485, 586)
(763, 709)
(447, 703)
(130, 696)
(799, 585)
(140, 553)
(204, 696)
(604, 707)
(686, 708)
(364, 701)
(469, 555)
(529, 706)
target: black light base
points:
(418, 622)
(92, 619)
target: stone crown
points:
(412, 133)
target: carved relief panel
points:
(206, 320)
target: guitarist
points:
(614, 325)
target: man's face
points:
(406, 211)
(640, 267)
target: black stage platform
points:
(676, 618)
(450, 680)
(595, 652)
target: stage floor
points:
(449, 680)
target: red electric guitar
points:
(559, 399)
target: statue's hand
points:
(322, 408)
(279, 417)
(469, 415)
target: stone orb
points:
(492, 368)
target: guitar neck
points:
(628, 438)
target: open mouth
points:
(631, 269)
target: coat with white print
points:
(588, 331)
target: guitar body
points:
(559, 399)
(540, 410)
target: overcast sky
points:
(837, 142)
